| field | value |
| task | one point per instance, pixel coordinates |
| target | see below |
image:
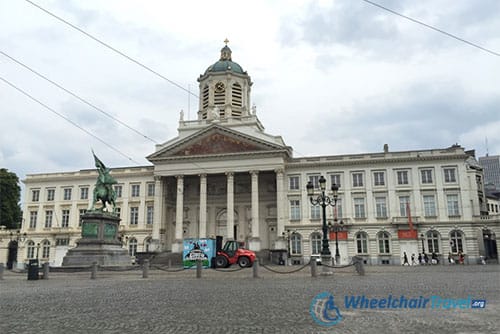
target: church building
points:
(223, 175)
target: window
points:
(426, 175)
(33, 218)
(134, 215)
(296, 244)
(150, 215)
(30, 250)
(151, 189)
(62, 241)
(48, 218)
(118, 211)
(147, 244)
(337, 209)
(65, 218)
(433, 241)
(132, 247)
(456, 242)
(379, 178)
(118, 191)
(359, 208)
(237, 96)
(81, 212)
(383, 243)
(452, 201)
(35, 195)
(84, 193)
(136, 190)
(404, 202)
(294, 210)
(402, 177)
(67, 194)
(449, 175)
(335, 179)
(381, 207)
(315, 243)
(429, 206)
(50, 194)
(315, 212)
(357, 179)
(362, 243)
(294, 183)
(315, 180)
(45, 249)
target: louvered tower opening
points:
(205, 94)
(237, 100)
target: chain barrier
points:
(228, 270)
(120, 268)
(166, 269)
(339, 267)
(285, 272)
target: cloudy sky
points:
(331, 77)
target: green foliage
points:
(10, 195)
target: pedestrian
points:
(435, 259)
(426, 258)
(413, 259)
(405, 259)
(460, 258)
(420, 258)
(450, 259)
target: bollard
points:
(198, 268)
(358, 264)
(93, 272)
(46, 269)
(255, 268)
(314, 268)
(1, 271)
(145, 268)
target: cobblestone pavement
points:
(124, 302)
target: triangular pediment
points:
(216, 141)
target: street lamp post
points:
(337, 227)
(323, 200)
(423, 248)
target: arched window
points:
(30, 250)
(296, 244)
(362, 243)
(45, 249)
(132, 247)
(384, 243)
(315, 243)
(147, 245)
(456, 241)
(433, 241)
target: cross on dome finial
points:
(226, 41)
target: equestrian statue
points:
(103, 190)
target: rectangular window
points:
(296, 244)
(48, 218)
(50, 194)
(118, 211)
(67, 194)
(402, 177)
(65, 218)
(84, 193)
(315, 180)
(452, 201)
(151, 189)
(150, 215)
(357, 179)
(337, 210)
(403, 205)
(449, 175)
(429, 206)
(118, 191)
(426, 175)
(381, 207)
(294, 210)
(80, 216)
(134, 215)
(379, 178)
(35, 195)
(33, 218)
(62, 242)
(315, 212)
(294, 183)
(335, 179)
(136, 190)
(359, 208)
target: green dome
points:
(225, 62)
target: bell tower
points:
(224, 89)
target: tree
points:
(10, 195)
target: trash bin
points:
(33, 270)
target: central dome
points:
(225, 63)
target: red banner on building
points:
(407, 234)
(342, 235)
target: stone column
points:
(179, 216)
(157, 215)
(255, 239)
(203, 206)
(230, 206)
(280, 210)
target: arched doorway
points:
(12, 254)
(221, 224)
(490, 245)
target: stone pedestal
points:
(99, 242)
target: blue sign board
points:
(198, 249)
